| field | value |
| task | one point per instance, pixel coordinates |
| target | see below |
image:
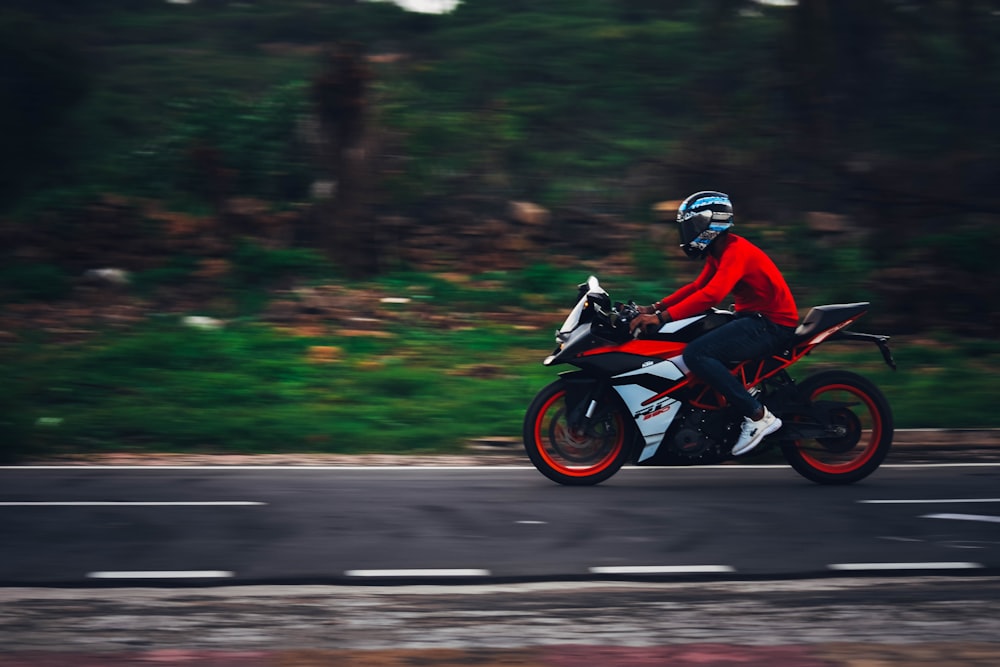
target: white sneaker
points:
(753, 432)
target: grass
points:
(249, 388)
(445, 373)
(943, 382)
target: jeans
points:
(747, 337)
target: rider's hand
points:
(647, 322)
(646, 310)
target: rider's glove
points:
(648, 323)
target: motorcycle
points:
(632, 399)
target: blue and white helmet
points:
(702, 218)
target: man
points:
(765, 309)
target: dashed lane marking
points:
(871, 567)
(162, 574)
(929, 501)
(415, 573)
(663, 569)
(964, 517)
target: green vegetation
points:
(251, 388)
(550, 98)
(446, 373)
(25, 281)
(875, 113)
(940, 382)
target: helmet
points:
(702, 217)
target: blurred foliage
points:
(15, 428)
(176, 271)
(43, 77)
(247, 388)
(256, 265)
(250, 388)
(879, 110)
(649, 262)
(938, 384)
(24, 281)
(224, 144)
(520, 96)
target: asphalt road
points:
(101, 526)
(304, 567)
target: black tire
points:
(865, 418)
(576, 459)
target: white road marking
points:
(964, 517)
(861, 567)
(532, 523)
(457, 572)
(162, 574)
(663, 569)
(900, 539)
(116, 503)
(927, 501)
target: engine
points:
(701, 436)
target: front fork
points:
(583, 397)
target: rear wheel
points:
(849, 427)
(575, 457)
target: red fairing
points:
(641, 347)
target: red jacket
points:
(734, 265)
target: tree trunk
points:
(348, 222)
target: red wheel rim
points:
(869, 438)
(552, 419)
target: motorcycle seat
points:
(820, 318)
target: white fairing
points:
(677, 325)
(654, 419)
(679, 362)
(573, 319)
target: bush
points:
(43, 77)
(14, 426)
(34, 282)
(256, 265)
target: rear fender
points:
(881, 341)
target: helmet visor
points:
(691, 228)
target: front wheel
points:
(575, 457)
(845, 433)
